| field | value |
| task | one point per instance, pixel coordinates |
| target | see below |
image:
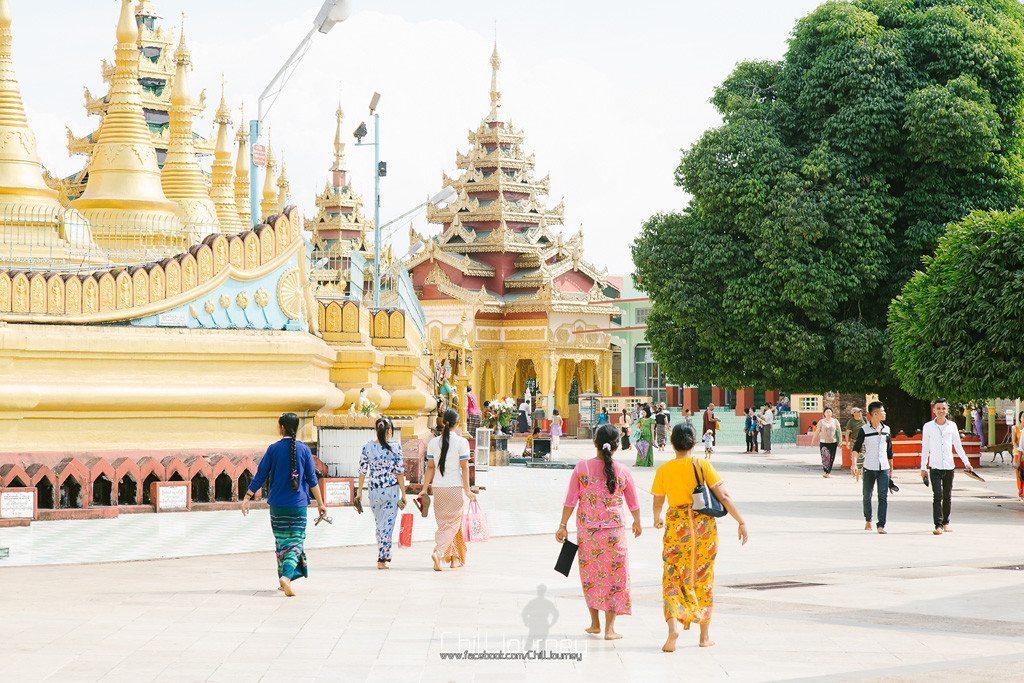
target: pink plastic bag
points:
(474, 524)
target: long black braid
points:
(290, 423)
(607, 442)
(450, 419)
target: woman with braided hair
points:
(600, 486)
(381, 462)
(288, 467)
(447, 476)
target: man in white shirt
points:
(938, 440)
(767, 420)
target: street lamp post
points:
(379, 171)
(332, 12)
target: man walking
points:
(874, 443)
(710, 422)
(766, 421)
(938, 440)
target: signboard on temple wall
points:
(18, 503)
(171, 496)
(337, 492)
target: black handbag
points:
(705, 501)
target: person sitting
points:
(528, 452)
(813, 428)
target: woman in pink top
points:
(599, 486)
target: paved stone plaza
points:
(906, 606)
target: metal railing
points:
(44, 238)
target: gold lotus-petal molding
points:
(262, 297)
(210, 307)
(242, 300)
(224, 301)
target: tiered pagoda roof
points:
(339, 206)
(501, 246)
(156, 78)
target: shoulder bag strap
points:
(696, 473)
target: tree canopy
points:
(958, 328)
(834, 171)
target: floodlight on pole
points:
(332, 12)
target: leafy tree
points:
(834, 171)
(958, 328)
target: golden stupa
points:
(242, 174)
(284, 188)
(182, 179)
(36, 226)
(268, 202)
(222, 189)
(124, 200)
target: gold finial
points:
(182, 60)
(242, 172)
(495, 93)
(5, 14)
(127, 27)
(223, 114)
(268, 203)
(339, 146)
(222, 186)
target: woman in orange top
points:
(691, 538)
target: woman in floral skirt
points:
(599, 486)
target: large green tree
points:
(834, 171)
(958, 328)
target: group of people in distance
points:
(757, 427)
(646, 427)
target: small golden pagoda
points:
(156, 78)
(182, 179)
(242, 174)
(124, 198)
(222, 188)
(268, 203)
(34, 222)
(283, 188)
(501, 287)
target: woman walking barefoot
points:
(599, 486)
(828, 440)
(556, 429)
(288, 465)
(625, 423)
(382, 462)
(691, 538)
(448, 474)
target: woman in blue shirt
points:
(382, 463)
(288, 467)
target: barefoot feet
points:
(707, 643)
(437, 562)
(593, 629)
(611, 635)
(867, 526)
(286, 587)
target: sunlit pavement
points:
(907, 605)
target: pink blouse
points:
(588, 492)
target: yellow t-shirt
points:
(677, 480)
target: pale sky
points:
(606, 92)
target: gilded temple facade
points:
(501, 283)
(168, 351)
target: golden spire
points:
(222, 190)
(21, 174)
(495, 93)
(283, 188)
(242, 173)
(339, 146)
(123, 171)
(183, 180)
(268, 206)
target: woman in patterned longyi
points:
(691, 538)
(598, 488)
(381, 462)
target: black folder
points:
(565, 557)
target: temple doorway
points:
(487, 391)
(525, 376)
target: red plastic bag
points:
(405, 533)
(474, 524)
